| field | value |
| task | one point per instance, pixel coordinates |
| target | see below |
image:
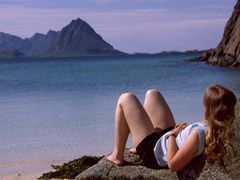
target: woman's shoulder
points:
(200, 125)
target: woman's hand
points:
(178, 128)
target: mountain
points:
(79, 37)
(42, 44)
(227, 53)
(8, 41)
(76, 39)
(190, 52)
(10, 54)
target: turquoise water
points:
(64, 108)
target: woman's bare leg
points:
(130, 117)
(158, 110)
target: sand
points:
(26, 170)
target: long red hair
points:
(219, 103)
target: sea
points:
(64, 108)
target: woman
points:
(163, 144)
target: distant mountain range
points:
(76, 39)
(193, 52)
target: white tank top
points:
(160, 149)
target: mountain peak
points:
(77, 21)
(77, 38)
(79, 24)
(51, 32)
(6, 35)
(37, 35)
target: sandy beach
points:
(26, 170)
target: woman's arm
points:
(179, 158)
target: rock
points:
(202, 56)
(197, 169)
(227, 53)
(132, 170)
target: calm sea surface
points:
(64, 108)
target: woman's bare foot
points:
(115, 160)
(133, 150)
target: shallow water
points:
(64, 108)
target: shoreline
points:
(24, 170)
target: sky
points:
(128, 25)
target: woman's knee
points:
(126, 97)
(152, 93)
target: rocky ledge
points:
(227, 53)
(197, 169)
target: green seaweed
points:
(71, 169)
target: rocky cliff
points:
(76, 39)
(227, 53)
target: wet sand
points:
(26, 170)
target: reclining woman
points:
(160, 142)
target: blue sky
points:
(128, 25)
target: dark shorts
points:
(146, 146)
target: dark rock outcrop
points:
(133, 170)
(76, 39)
(227, 53)
(197, 169)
